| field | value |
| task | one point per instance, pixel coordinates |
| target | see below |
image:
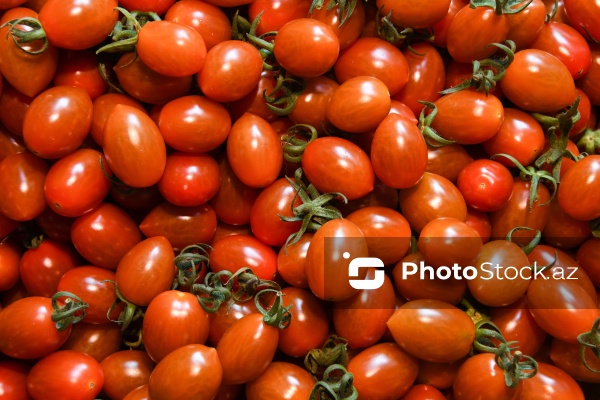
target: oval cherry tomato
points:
(96, 340)
(352, 26)
(102, 107)
(232, 253)
(479, 374)
(281, 380)
(447, 161)
(80, 68)
(579, 188)
(486, 185)
(124, 371)
(550, 382)
(10, 256)
(13, 379)
(412, 14)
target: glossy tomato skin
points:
(442, 199)
(13, 379)
(101, 16)
(22, 177)
(146, 270)
(383, 371)
(451, 339)
(194, 124)
(352, 27)
(102, 107)
(310, 57)
(326, 268)
(398, 152)
(10, 143)
(562, 230)
(588, 258)
(232, 253)
(65, 373)
(281, 380)
(91, 285)
(57, 121)
(480, 377)
(309, 326)
(210, 21)
(182, 226)
(254, 151)
(291, 260)
(538, 81)
(348, 169)
(423, 392)
(80, 68)
(134, 147)
(275, 14)
(77, 183)
(231, 70)
(486, 185)
(222, 320)
(412, 14)
(447, 161)
(524, 26)
(124, 371)
(172, 320)
(93, 235)
(550, 382)
(567, 357)
(249, 341)
(359, 104)
(96, 340)
(10, 256)
(193, 370)
(579, 189)
(582, 17)
(171, 48)
(27, 330)
(311, 105)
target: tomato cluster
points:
(188, 185)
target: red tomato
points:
(66, 373)
(423, 392)
(486, 185)
(250, 342)
(13, 104)
(275, 14)
(57, 121)
(538, 81)
(347, 28)
(447, 161)
(10, 256)
(335, 164)
(96, 340)
(564, 231)
(172, 320)
(412, 14)
(281, 380)
(383, 371)
(146, 270)
(134, 147)
(27, 330)
(243, 251)
(189, 179)
(311, 104)
(191, 371)
(525, 25)
(567, 357)
(588, 258)
(210, 21)
(312, 56)
(582, 16)
(77, 183)
(480, 374)
(326, 267)
(231, 70)
(398, 152)
(579, 189)
(80, 68)
(124, 371)
(254, 151)
(102, 107)
(157, 6)
(194, 124)
(309, 326)
(92, 19)
(291, 260)
(412, 323)
(359, 104)
(54, 226)
(13, 380)
(93, 235)
(182, 226)
(550, 382)
(223, 318)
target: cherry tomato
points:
(102, 107)
(243, 251)
(223, 318)
(567, 357)
(13, 379)
(352, 26)
(10, 256)
(124, 371)
(486, 185)
(447, 161)
(479, 374)
(550, 382)
(582, 17)
(579, 187)
(96, 340)
(291, 260)
(588, 258)
(412, 14)
(311, 104)
(275, 14)
(157, 6)
(423, 392)
(281, 380)
(80, 68)
(525, 25)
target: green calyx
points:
(590, 141)
(528, 248)
(431, 136)
(189, 261)
(590, 340)
(391, 33)
(282, 99)
(125, 33)
(22, 37)
(337, 384)
(502, 6)
(68, 309)
(346, 8)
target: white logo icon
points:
(365, 262)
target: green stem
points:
(68, 309)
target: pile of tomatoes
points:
(184, 185)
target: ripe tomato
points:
(96, 340)
(311, 104)
(249, 342)
(157, 6)
(334, 164)
(22, 179)
(254, 151)
(80, 68)
(423, 392)
(146, 270)
(550, 382)
(13, 104)
(65, 373)
(243, 251)
(326, 266)
(281, 380)
(194, 124)
(538, 81)
(10, 256)
(57, 121)
(589, 82)
(275, 14)
(309, 326)
(54, 226)
(580, 187)
(102, 107)
(432, 330)
(210, 21)
(312, 56)
(525, 25)
(134, 147)
(27, 330)
(190, 371)
(224, 317)
(93, 20)
(182, 226)
(383, 371)
(93, 235)
(124, 371)
(564, 231)
(352, 26)
(582, 16)
(231, 70)
(486, 185)
(172, 320)
(13, 379)
(398, 152)
(567, 357)
(291, 260)
(359, 104)
(10, 143)
(480, 374)
(412, 14)
(447, 161)
(171, 48)
(77, 183)
(433, 197)
(588, 258)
